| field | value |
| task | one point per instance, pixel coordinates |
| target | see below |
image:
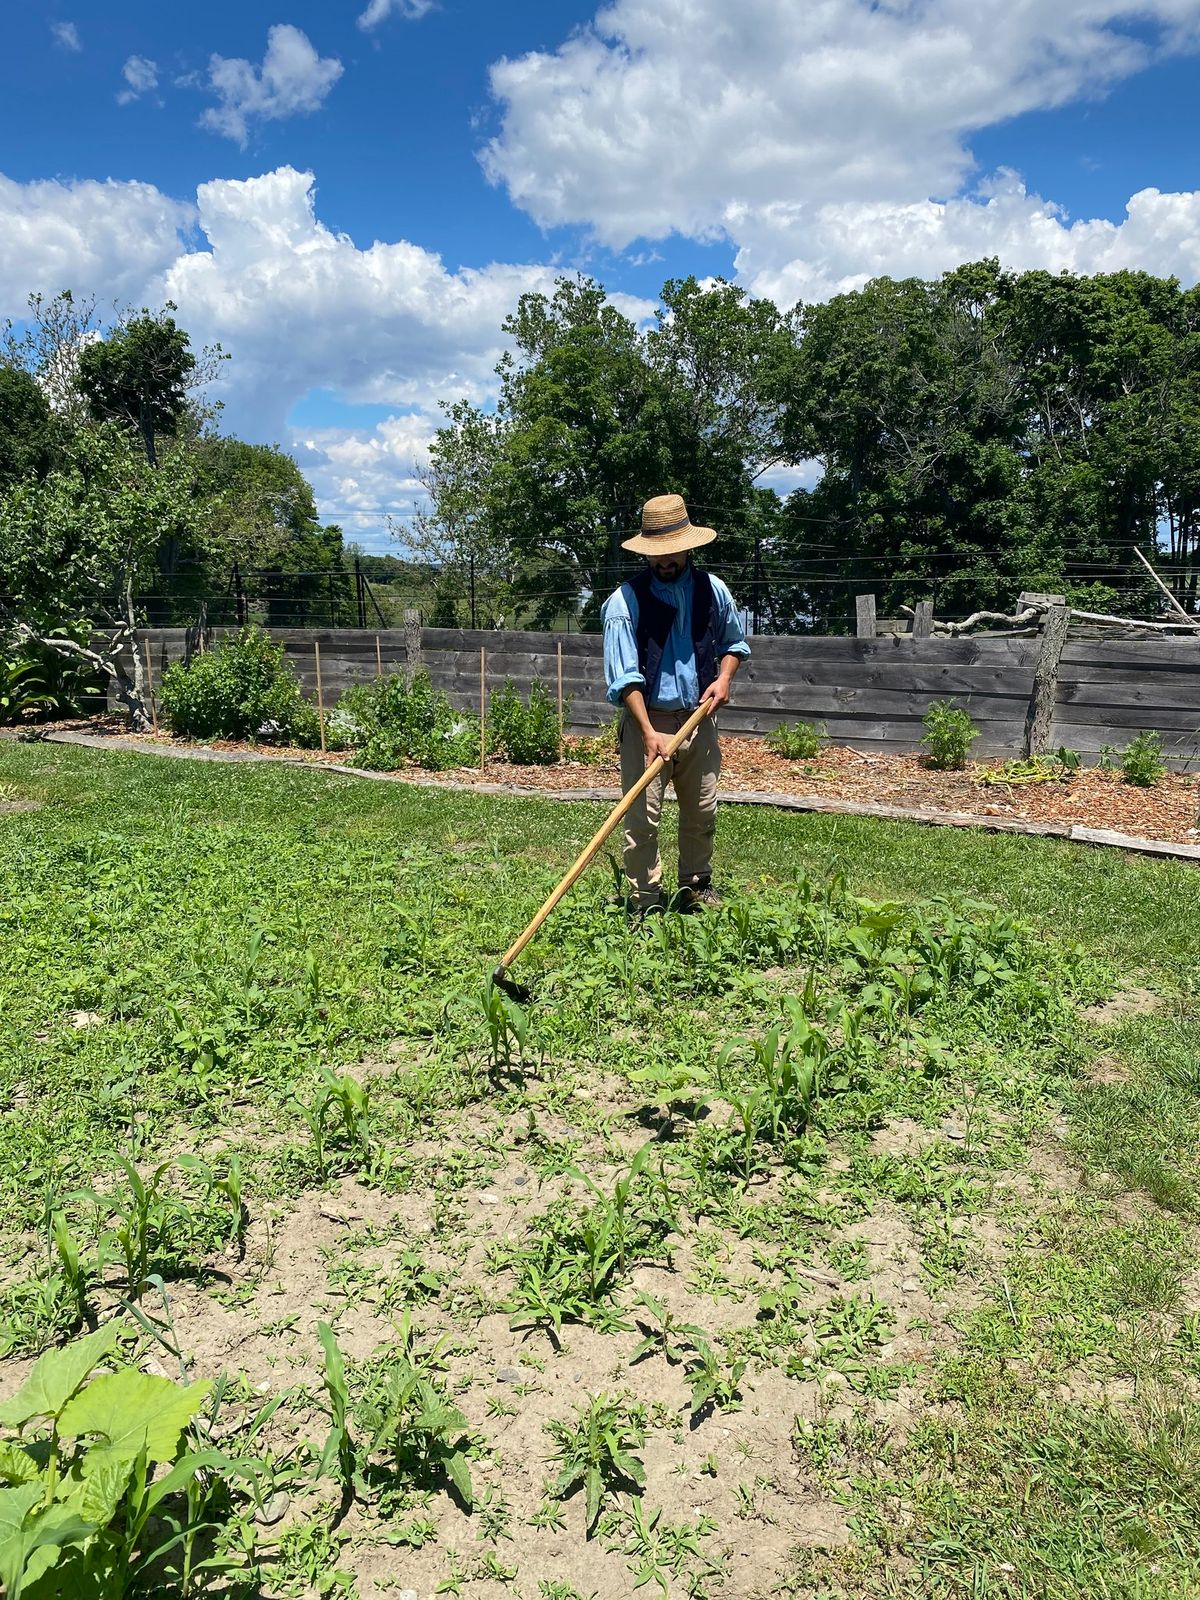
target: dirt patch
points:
(1129, 1002)
(12, 808)
(1108, 1068)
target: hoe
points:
(500, 976)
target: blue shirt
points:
(678, 683)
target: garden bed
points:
(1089, 798)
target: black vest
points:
(654, 622)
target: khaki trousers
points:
(694, 772)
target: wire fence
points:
(792, 595)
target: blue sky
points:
(350, 196)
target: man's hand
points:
(716, 695)
(656, 744)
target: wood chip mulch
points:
(1090, 798)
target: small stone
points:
(582, 1094)
(86, 1019)
(520, 1180)
(489, 1197)
(955, 1133)
(509, 1375)
(910, 1286)
(275, 1508)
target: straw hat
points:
(667, 530)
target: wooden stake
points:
(482, 708)
(150, 685)
(320, 693)
(864, 616)
(561, 729)
(1192, 622)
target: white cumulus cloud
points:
(109, 239)
(813, 136)
(300, 307)
(292, 81)
(141, 77)
(379, 10)
(66, 35)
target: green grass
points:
(200, 957)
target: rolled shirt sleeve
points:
(620, 647)
(730, 639)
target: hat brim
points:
(669, 544)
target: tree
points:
(80, 541)
(47, 344)
(139, 376)
(594, 416)
(28, 434)
(262, 515)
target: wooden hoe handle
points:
(589, 850)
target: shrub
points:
(526, 733)
(1142, 763)
(949, 735)
(797, 741)
(244, 689)
(396, 721)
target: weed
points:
(949, 735)
(797, 741)
(595, 1452)
(1142, 763)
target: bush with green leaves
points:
(949, 735)
(525, 732)
(244, 689)
(395, 721)
(1142, 763)
(101, 1492)
(798, 741)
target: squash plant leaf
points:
(131, 1412)
(56, 1376)
(31, 1541)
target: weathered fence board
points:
(870, 693)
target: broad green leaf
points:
(16, 1465)
(593, 1496)
(56, 1376)
(102, 1491)
(31, 1540)
(131, 1412)
(459, 1474)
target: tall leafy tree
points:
(81, 541)
(29, 435)
(139, 376)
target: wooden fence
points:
(870, 693)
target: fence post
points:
(320, 692)
(1040, 715)
(412, 642)
(473, 622)
(482, 708)
(378, 659)
(864, 616)
(922, 627)
(360, 593)
(560, 696)
(150, 686)
(239, 596)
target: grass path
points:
(822, 1247)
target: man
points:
(672, 641)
